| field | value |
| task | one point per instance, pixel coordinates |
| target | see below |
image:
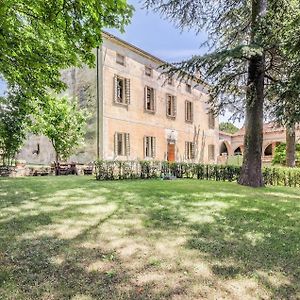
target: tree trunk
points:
(57, 167)
(251, 174)
(291, 146)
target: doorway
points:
(171, 151)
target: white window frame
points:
(189, 111)
(149, 147)
(172, 99)
(123, 138)
(152, 99)
(189, 150)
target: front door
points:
(171, 152)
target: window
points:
(189, 150)
(148, 71)
(149, 99)
(188, 88)
(188, 111)
(122, 90)
(211, 120)
(211, 152)
(120, 59)
(171, 106)
(170, 81)
(122, 145)
(149, 146)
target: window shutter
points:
(186, 110)
(116, 89)
(154, 100)
(153, 147)
(145, 98)
(127, 90)
(174, 107)
(186, 150)
(167, 105)
(193, 150)
(192, 111)
(145, 143)
(127, 144)
(116, 143)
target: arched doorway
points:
(223, 149)
(268, 150)
(238, 151)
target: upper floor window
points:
(148, 71)
(171, 106)
(122, 144)
(211, 152)
(149, 146)
(189, 111)
(149, 99)
(188, 88)
(122, 90)
(170, 81)
(211, 120)
(189, 150)
(120, 59)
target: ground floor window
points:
(211, 152)
(149, 146)
(189, 150)
(122, 144)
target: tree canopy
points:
(228, 127)
(39, 38)
(63, 123)
(248, 40)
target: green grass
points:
(76, 238)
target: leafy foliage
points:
(228, 127)
(13, 126)
(39, 38)
(280, 154)
(119, 170)
(63, 123)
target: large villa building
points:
(136, 113)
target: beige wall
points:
(133, 119)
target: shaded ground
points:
(75, 238)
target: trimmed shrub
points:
(120, 170)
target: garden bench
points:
(88, 170)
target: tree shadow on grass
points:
(261, 243)
(54, 268)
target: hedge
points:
(119, 170)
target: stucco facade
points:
(189, 135)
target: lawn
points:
(76, 238)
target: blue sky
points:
(149, 31)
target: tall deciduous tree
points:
(39, 38)
(63, 123)
(241, 39)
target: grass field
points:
(76, 238)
